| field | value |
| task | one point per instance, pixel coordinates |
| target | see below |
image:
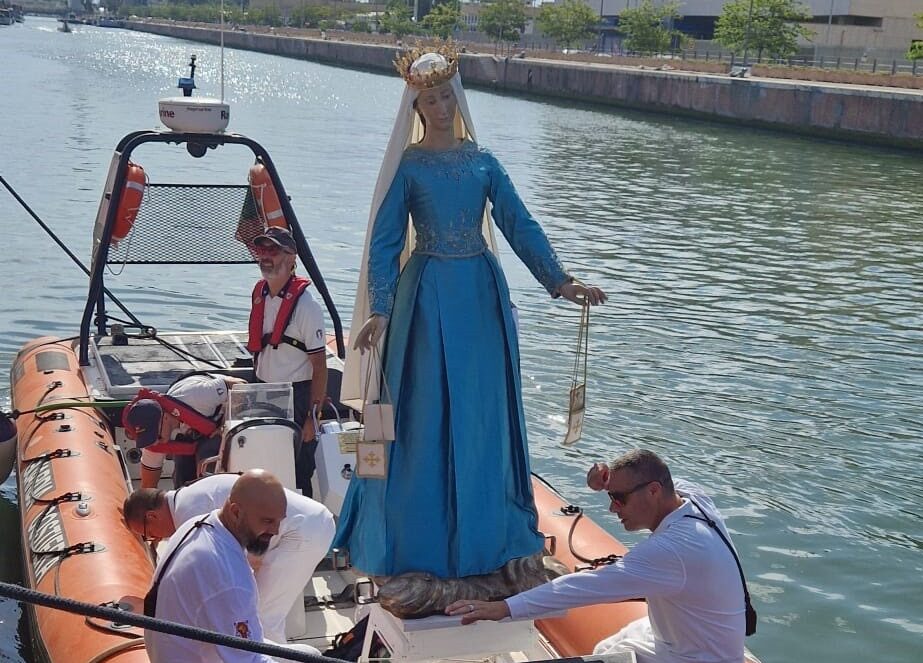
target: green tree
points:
(648, 29)
(443, 18)
(774, 27)
(268, 15)
(111, 6)
(311, 15)
(360, 25)
(916, 48)
(398, 19)
(503, 20)
(567, 23)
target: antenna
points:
(222, 51)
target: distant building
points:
(471, 12)
(848, 28)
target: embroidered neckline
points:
(465, 142)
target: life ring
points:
(130, 203)
(267, 200)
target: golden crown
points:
(434, 77)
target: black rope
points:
(39, 420)
(63, 246)
(76, 549)
(74, 404)
(52, 503)
(51, 455)
(54, 414)
(54, 341)
(56, 384)
(574, 510)
(115, 605)
(19, 593)
(595, 563)
(72, 496)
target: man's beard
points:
(258, 545)
(269, 269)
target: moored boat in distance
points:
(6, 16)
(110, 22)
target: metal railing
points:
(872, 65)
(859, 64)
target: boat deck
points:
(157, 362)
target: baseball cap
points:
(142, 422)
(281, 237)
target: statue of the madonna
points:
(457, 500)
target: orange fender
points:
(45, 372)
(267, 200)
(130, 202)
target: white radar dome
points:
(194, 114)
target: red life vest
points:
(290, 293)
(198, 422)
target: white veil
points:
(407, 130)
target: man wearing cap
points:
(184, 422)
(287, 338)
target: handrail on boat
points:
(194, 142)
(19, 593)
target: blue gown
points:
(457, 500)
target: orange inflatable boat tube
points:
(71, 488)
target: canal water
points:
(763, 332)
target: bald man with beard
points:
(203, 578)
(281, 573)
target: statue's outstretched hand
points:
(577, 292)
(371, 332)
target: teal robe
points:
(457, 499)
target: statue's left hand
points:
(577, 293)
(373, 329)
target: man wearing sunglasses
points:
(287, 339)
(684, 570)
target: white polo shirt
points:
(303, 540)
(687, 574)
(200, 497)
(287, 363)
(303, 516)
(209, 585)
(205, 394)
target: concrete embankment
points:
(868, 114)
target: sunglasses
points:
(144, 535)
(620, 498)
(267, 249)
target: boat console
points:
(259, 431)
